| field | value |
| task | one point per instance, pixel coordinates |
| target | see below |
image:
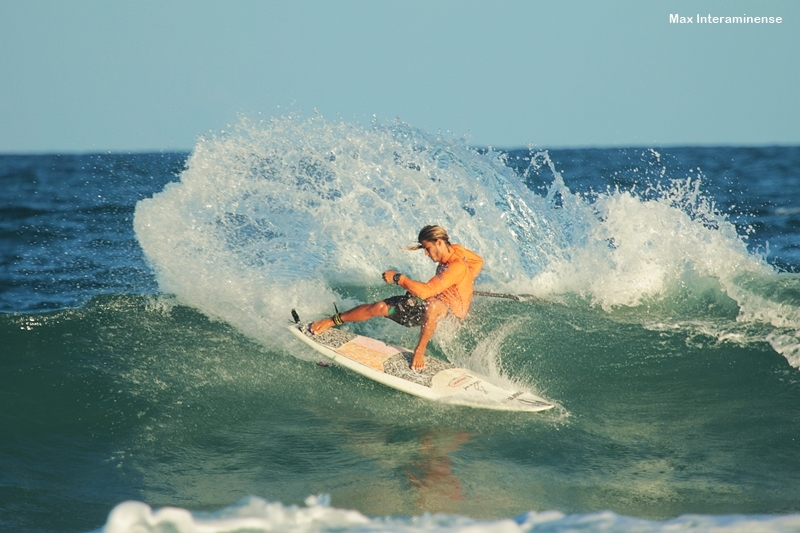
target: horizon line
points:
(486, 147)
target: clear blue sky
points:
(96, 75)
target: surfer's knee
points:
(380, 309)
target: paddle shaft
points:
(516, 297)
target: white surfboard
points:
(438, 381)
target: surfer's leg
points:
(357, 314)
(436, 309)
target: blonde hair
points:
(430, 234)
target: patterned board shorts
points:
(407, 310)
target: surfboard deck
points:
(438, 381)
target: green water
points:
(140, 398)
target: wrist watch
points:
(396, 278)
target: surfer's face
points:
(436, 250)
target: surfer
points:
(424, 304)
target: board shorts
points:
(407, 310)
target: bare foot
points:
(321, 326)
(418, 362)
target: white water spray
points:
(278, 215)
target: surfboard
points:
(438, 381)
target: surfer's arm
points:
(437, 284)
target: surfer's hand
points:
(321, 325)
(388, 276)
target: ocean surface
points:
(148, 382)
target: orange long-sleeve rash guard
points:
(453, 281)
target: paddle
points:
(516, 297)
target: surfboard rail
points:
(438, 381)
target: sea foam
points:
(257, 515)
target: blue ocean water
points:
(148, 382)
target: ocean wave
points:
(272, 216)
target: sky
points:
(146, 75)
